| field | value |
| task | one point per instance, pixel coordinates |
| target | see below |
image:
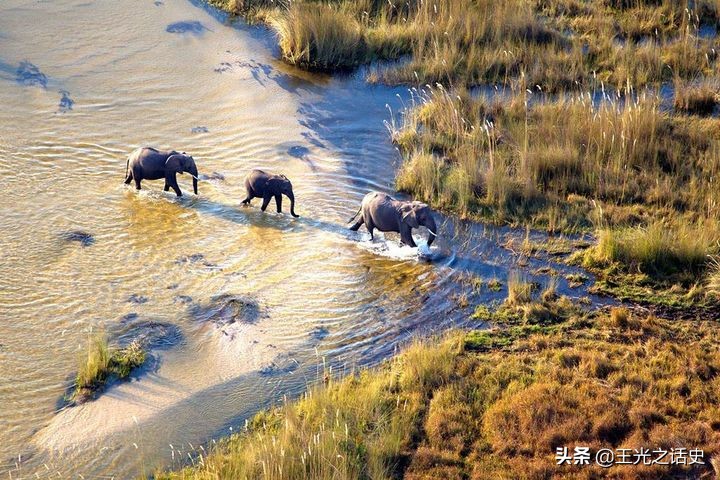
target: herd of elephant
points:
(377, 211)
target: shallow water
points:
(82, 252)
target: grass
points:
(673, 266)
(104, 364)
(697, 97)
(563, 164)
(556, 43)
(496, 404)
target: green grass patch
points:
(103, 364)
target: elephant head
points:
(418, 214)
(180, 163)
(280, 185)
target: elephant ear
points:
(273, 185)
(174, 162)
(408, 215)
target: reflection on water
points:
(81, 251)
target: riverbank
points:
(497, 403)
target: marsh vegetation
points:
(497, 403)
(580, 134)
(102, 364)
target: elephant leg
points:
(406, 235)
(249, 194)
(137, 183)
(407, 239)
(371, 228)
(356, 225)
(266, 202)
(278, 202)
(167, 187)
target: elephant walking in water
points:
(381, 211)
(266, 186)
(150, 164)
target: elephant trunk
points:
(292, 205)
(194, 173)
(432, 228)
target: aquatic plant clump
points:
(104, 364)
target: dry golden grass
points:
(696, 97)
(496, 404)
(557, 44)
(559, 163)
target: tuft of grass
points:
(713, 286)
(698, 98)
(496, 404)
(666, 264)
(519, 289)
(319, 36)
(103, 364)
(658, 249)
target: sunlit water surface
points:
(106, 77)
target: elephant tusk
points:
(431, 232)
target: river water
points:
(84, 83)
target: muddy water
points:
(81, 85)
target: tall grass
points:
(555, 43)
(570, 160)
(319, 37)
(697, 97)
(362, 426)
(94, 367)
(102, 364)
(660, 249)
(497, 404)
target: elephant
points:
(263, 185)
(148, 163)
(386, 214)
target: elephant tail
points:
(127, 166)
(356, 214)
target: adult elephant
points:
(383, 212)
(148, 163)
(264, 185)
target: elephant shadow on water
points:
(252, 215)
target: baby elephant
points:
(150, 164)
(386, 214)
(266, 186)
